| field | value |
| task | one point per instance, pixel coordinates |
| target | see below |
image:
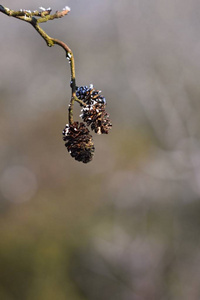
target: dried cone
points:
(94, 112)
(96, 116)
(79, 142)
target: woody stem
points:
(30, 17)
(70, 56)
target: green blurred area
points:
(126, 225)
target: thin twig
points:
(35, 18)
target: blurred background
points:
(126, 226)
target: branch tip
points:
(2, 7)
(67, 8)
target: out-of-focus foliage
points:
(126, 225)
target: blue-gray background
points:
(127, 225)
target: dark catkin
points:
(94, 113)
(79, 142)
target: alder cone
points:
(94, 112)
(96, 116)
(79, 142)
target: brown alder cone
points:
(79, 142)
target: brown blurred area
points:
(126, 226)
